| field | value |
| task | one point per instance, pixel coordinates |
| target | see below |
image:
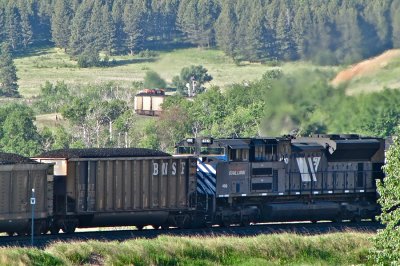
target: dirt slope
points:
(366, 67)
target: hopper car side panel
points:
(16, 183)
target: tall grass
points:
(279, 249)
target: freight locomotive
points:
(323, 177)
(207, 182)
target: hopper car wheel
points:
(10, 233)
(139, 227)
(22, 233)
(156, 227)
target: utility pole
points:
(33, 203)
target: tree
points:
(8, 73)
(196, 18)
(226, 28)
(108, 33)
(132, 17)
(191, 79)
(17, 131)
(60, 23)
(12, 26)
(26, 28)
(79, 29)
(153, 81)
(387, 242)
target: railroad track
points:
(253, 230)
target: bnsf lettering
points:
(165, 168)
(174, 168)
(183, 168)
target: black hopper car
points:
(323, 177)
(208, 182)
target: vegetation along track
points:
(122, 235)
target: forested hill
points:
(325, 31)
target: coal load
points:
(11, 158)
(102, 153)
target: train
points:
(207, 182)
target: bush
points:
(89, 59)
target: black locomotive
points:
(323, 177)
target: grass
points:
(53, 64)
(280, 249)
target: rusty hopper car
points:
(148, 102)
(18, 176)
(324, 177)
(120, 187)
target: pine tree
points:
(225, 29)
(79, 32)
(117, 15)
(196, 18)
(133, 15)
(2, 25)
(8, 73)
(109, 31)
(26, 28)
(12, 26)
(60, 23)
(94, 36)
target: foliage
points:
(52, 97)
(89, 58)
(273, 249)
(8, 73)
(386, 249)
(191, 79)
(18, 134)
(152, 80)
(326, 32)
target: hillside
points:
(53, 65)
(372, 74)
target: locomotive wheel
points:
(10, 233)
(165, 227)
(139, 227)
(356, 219)
(69, 227)
(156, 227)
(54, 230)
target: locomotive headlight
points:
(207, 141)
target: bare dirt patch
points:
(366, 67)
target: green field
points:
(52, 64)
(278, 249)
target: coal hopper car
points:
(120, 187)
(18, 177)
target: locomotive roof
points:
(12, 158)
(311, 146)
(236, 143)
(102, 153)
